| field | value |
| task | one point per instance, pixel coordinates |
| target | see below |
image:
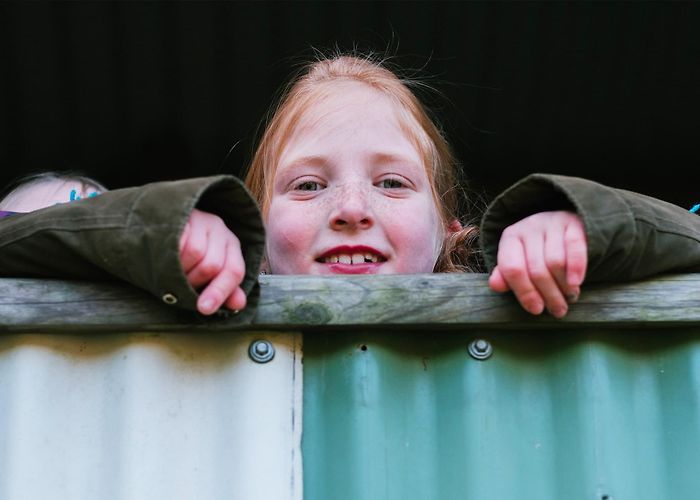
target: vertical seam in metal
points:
(297, 475)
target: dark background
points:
(133, 92)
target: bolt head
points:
(480, 349)
(481, 345)
(261, 351)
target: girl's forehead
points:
(341, 99)
(352, 108)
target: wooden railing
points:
(303, 303)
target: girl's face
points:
(351, 194)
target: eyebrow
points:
(314, 160)
(394, 158)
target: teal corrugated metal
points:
(568, 414)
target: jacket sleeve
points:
(132, 234)
(630, 235)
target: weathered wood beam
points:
(443, 301)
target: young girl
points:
(352, 176)
(46, 189)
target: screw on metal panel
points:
(480, 349)
(261, 351)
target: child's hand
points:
(210, 255)
(542, 259)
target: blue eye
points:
(308, 186)
(391, 184)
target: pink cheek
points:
(291, 238)
(289, 244)
(416, 245)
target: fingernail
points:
(558, 312)
(535, 308)
(235, 311)
(207, 305)
(572, 297)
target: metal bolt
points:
(169, 299)
(480, 349)
(261, 351)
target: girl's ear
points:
(454, 226)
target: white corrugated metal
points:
(149, 416)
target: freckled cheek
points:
(290, 237)
(418, 254)
(416, 241)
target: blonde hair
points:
(458, 252)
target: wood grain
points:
(301, 303)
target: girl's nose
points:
(352, 211)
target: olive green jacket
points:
(630, 235)
(133, 234)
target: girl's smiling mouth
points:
(352, 259)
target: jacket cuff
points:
(607, 218)
(156, 224)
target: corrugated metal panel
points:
(568, 414)
(129, 416)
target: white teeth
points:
(356, 258)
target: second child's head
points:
(353, 177)
(46, 189)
